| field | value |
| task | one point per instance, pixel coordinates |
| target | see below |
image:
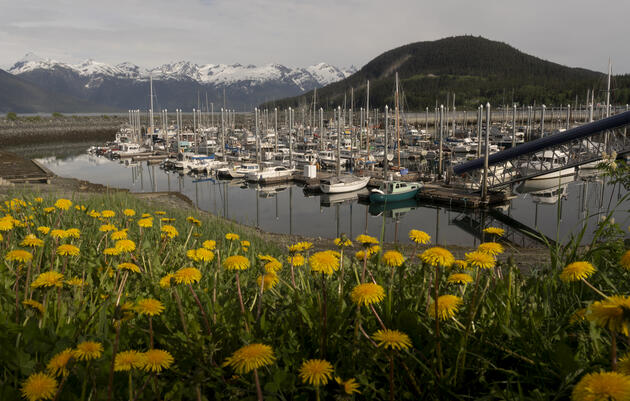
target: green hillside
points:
(476, 69)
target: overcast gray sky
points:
(577, 33)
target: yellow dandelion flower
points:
(245, 244)
(94, 214)
(112, 251)
(360, 255)
(419, 237)
(194, 221)
(108, 214)
(577, 271)
(58, 234)
(169, 231)
(393, 258)
(612, 313)
(270, 280)
(58, 365)
(494, 230)
(272, 265)
(88, 350)
(250, 357)
(480, 260)
(232, 237)
(297, 260)
(236, 262)
(107, 227)
(192, 254)
(437, 256)
(39, 199)
(460, 264)
(343, 242)
(602, 386)
(145, 223)
(156, 360)
(204, 255)
(324, 262)
(392, 339)
(67, 250)
(31, 303)
(578, 316)
(491, 248)
(210, 244)
(48, 279)
(43, 229)
(39, 386)
(32, 241)
(165, 282)
(625, 260)
(126, 245)
(350, 386)
(7, 224)
(316, 372)
(459, 278)
(19, 255)
(187, 275)
(367, 293)
(129, 212)
(149, 306)
(160, 213)
(300, 247)
(48, 210)
(623, 365)
(167, 219)
(129, 267)
(448, 306)
(118, 235)
(63, 204)
(76, 282)
(73, 233)
(127, 360)
(366, 240)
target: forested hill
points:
(476, 69)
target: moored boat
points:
(392, 191)
(343, 183)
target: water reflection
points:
(553, 213)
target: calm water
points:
(288, 209)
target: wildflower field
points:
(107, 298)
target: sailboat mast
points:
(367, 123)
(338, 141)
(608, 89)
(397, 124)
(151, 113)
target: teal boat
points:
(393, 191)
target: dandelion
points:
(602, 386)
(48, 279)
(324, 262)
(19, 255)
(494, 230)
(366, 240)
(39, 199)
(63, 204)
(194, 221)
(625, 260)
(459, 278)
(149, 306)
(67, 250)
(127, 360)
(39, 386)
(480, 260)
(300, 247)
(94, 214)
(167, 219)
(578, 316)
(270, 280)
(447, 306)
(165, 282)
(88, 350)
(187, 275)
(6, 224)
(612, 313)
(232, 237)
(129, 212)
(367, 294)
(623, 365)
(160, 212)
(419, 237)
(169, 231)
(491, 248)
(236, 262)
(272, 265)
(245, 245)
(460, 264)
(107, 227)
(129, 267)
(437, 256)
(107, 214)
(577, 271)
(297, 260)
(350, 386)
(250, 357)
(58, 365)
(118, 235)
(316, 372)
(156, 359)
(75, 282)
(73, 233)
(32, 241)
(204, 255)
(31, 303)
(393, 258)
(49, 210)
(343, 243)
(145, 223)
(210, 244)
(112, 251)
(392, 339)
(43, 229)
(360, 255)
(125, 245)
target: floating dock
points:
(445, 195)
(16, 169)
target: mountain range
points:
(182, 84)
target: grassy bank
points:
(113, 297)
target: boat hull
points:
(401, 196)
(338, 188)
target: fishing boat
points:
(343, 183)
(392, 191)
(238, 171)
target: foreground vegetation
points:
(108, 298)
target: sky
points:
(299, 33)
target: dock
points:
(445, 195)
(16, 169)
